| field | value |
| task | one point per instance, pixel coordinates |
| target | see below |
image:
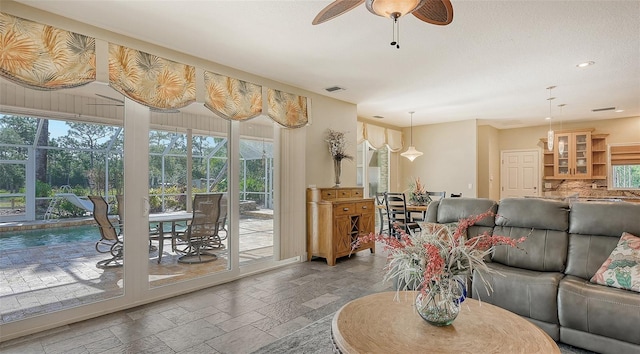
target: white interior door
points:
(520, 173)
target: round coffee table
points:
(378, 324)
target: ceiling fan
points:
(436, 12)
(120, 103)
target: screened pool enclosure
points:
(49, 166)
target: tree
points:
(41, 154)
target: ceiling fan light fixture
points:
(393, 8)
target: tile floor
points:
(237, 317)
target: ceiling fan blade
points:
(335, 9)
(436, 12)
(110, 98)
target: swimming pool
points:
(48, 237)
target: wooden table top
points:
(378, 324)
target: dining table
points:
(174, 218)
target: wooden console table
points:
(335, 219)
(378, 324)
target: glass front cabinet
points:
(572, 155)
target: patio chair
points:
(201, 235)
(222, 219)
(153, 232)
(110, 242)
(398, 215)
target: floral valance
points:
(232, 98)
(287, 109)
(378, 136)
(150, 80)
(42, 57)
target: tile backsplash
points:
(585, 189)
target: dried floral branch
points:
(337, 145)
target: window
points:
(625, 166)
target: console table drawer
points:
(364, 206)
(344, 209)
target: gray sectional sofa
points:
(548, 282)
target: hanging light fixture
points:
(561, 142)
(411, 152)
(550, 133)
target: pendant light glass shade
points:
(550, 133)
(411, 152)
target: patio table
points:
(173, 218)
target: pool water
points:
(48, 237)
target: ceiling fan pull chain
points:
(398, 33)
(396, 28)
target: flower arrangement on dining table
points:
(436, 260)
(418, 192)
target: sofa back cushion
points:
(595, 229)
(546, 225)
(448, 210)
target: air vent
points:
(603, 109)
(334, 89)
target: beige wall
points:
(449, 160)
(488, 162)
(622, 130)
(337, 115)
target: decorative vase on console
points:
(338, 149)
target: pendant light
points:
(561, 142)
(411, 152)
(550, 133)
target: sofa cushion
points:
(595, 229)
(544, 223)
(543, 250)
(533, 213)
(454, 209)
(599, 310)
(622, 268)
(606, 219)
(528, 293)
(587, 253)
(449, 210)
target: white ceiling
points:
(492, 63)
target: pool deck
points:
(9, 226)
(38, 280)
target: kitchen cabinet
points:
(572, 155)
(580, 154)
(336, 217)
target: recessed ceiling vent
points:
(603, 109)
(335, 89)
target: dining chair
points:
(397, 214)
(437, 194)
(382, 213)
(110, 240)
(201, 234)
